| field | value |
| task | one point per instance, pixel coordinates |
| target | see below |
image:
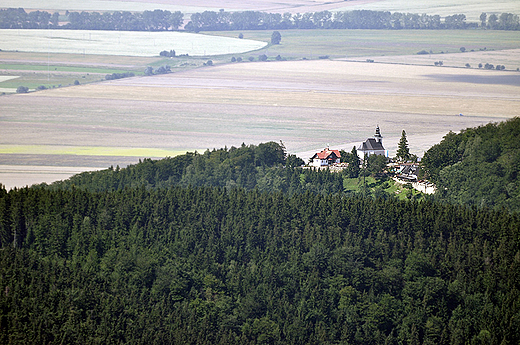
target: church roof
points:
(371, 144)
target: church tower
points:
(378, 136)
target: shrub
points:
(42, 87)
(233, 59)
(240, 35)
(262, 57)
(209, 63)
(323, 57)
(22, 89)
(468, 65)
(251, 58)
(422, 52)
(239, 59)
(166, 53)
(276, 37)
(76, 82)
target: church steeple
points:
(378, 136)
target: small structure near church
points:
(325, 158)
(373, 146)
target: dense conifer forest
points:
(479, 166)
(236, 246)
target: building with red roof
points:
(325, 158)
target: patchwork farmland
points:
(307, 104)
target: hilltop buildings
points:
(372, 146)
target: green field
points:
(312, 44)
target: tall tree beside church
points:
(403, 152)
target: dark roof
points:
(371, 145)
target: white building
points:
(325, 158)
(372, 146)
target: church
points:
(373, 146)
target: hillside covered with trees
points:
(242, 246)
(479, 166)
(207, 265)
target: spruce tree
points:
(403, 153)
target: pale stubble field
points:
(306, 104)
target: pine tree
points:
(403, 153)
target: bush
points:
(43, 87)
(233, 59)
(468, 65)
(114, 76)
(163, 70)
(370, 60)
(239, 59)
(276, 37)
(323, 57)
(166, 53)
(462, 49)
(251, 58)
(240, 35)
(422, 52)
(262, 57)
(22, 89)
(278, 57)
(76, 82)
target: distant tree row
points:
(359, 19)
(159, 20)
(114, 76)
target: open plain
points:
(306, 104)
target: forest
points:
(479, 166)
(159, 20)
(243, 246)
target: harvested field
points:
(307, 104)
(510, 58)
(130, 43)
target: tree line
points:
(159, 20)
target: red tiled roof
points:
(325, 154)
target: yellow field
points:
(88, 151)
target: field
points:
(312, 44)
(307, 101)
(307, 104)
(472, 8)
(130, 43)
